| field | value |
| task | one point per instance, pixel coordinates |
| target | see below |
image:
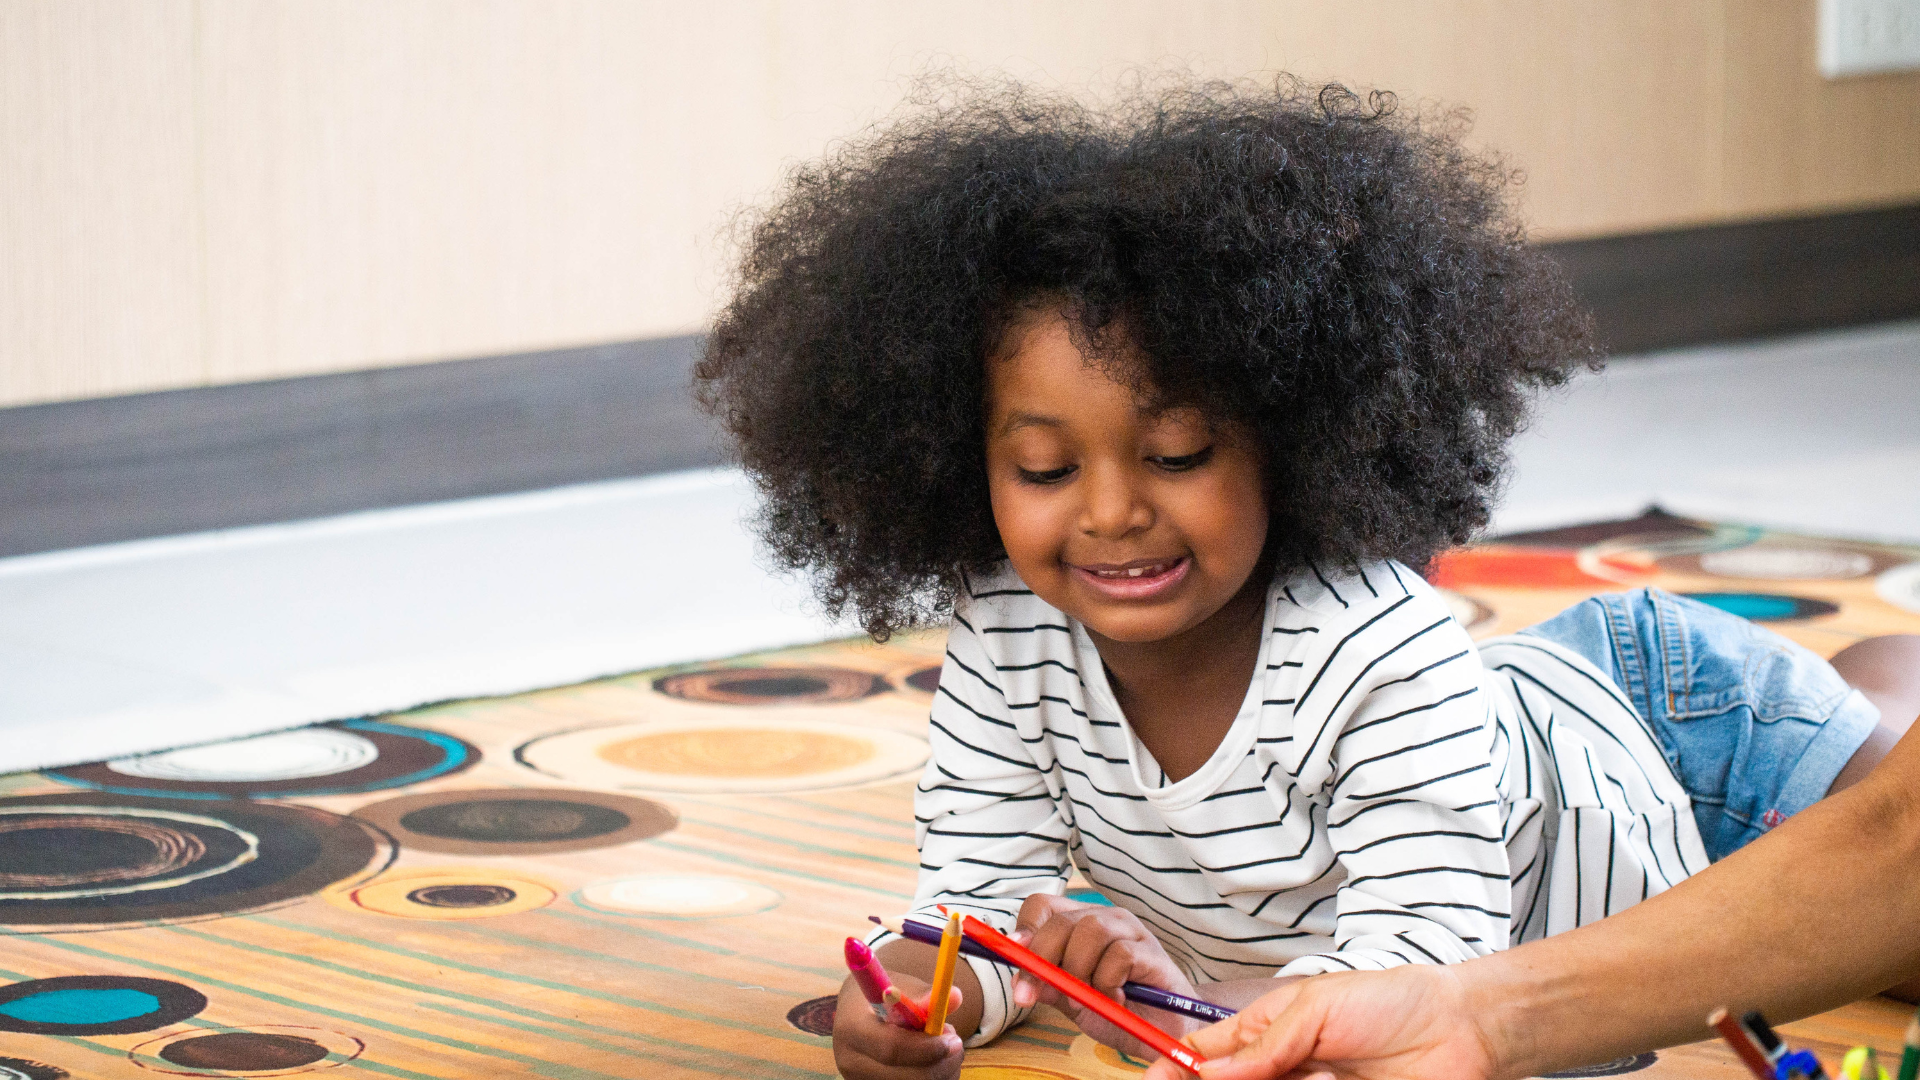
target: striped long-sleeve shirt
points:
(1383, 796)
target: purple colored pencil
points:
(1145, 995)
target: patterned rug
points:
(645, 876)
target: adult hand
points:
(1408, 1023)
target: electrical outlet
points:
(1869, 37)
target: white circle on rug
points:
(748, 755)
(678, 896)
(1787, 563)
(283, 755)
(1900, 587)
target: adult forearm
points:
(1823, 910)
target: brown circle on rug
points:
(243, 1051)
(462, 896)
(926, 680)
(11, 1067)
(517, 821)
(815, 1016)
(88, 858)
(260, 1050)
(771, 685)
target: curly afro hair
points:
(1342, 282)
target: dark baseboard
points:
(1754, 279)
(89, 472)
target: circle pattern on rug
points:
(1468, 612)
(13, 1068)
(1095, 1060)
(448, 893)
(329, 759)
(926, 680)
(1010, 1072)
(1765, 607)
(95, 1005)
(1498, 566)
(1633, 1063)
(1900, 587)
(1783, 559)
(678, 896)
(771, 685)
(726, 756)
(89, 859)
(517, 821)
(815, 1017)
(267, 1050)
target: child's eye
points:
(1184, 461)
(1050, 476)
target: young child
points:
(1163, 406)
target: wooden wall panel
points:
(101, 260)
(211, 191)
(1797, 142)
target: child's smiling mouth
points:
(1139, 579)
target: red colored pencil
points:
(1023, 957)
(1736, 1037)
(903, 1010)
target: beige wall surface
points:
(209, 191)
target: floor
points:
(647, 876)
(133, 647)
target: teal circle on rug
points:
(95, 1005)
(1765, 607)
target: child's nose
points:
(1115, 506)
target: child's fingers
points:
(954, 998)
(1092, 938)
(865, 1048)
(1116, 965)
(905, 1049)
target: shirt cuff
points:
(1353, 960)
(997, 1010)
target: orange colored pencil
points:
(943, 966)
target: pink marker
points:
(872, 978)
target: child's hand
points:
(1105, 947)
(867, 1048)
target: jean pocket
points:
(1716, 662)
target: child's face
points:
(1142, 526)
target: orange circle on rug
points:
(1010, 1072)
(738, 752)
(448, 894)
(1529, 568)
(745, 757)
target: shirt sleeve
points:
(1410, 791)
(988, 815)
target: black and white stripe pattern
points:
(1364, 810)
